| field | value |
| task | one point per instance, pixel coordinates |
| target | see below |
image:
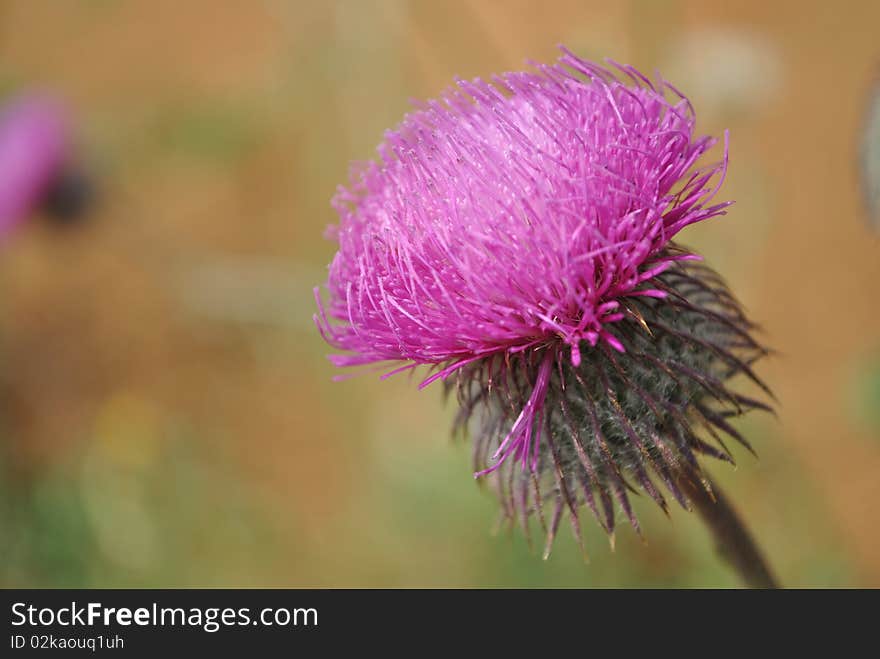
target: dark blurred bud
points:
(69, 197)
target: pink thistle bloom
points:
(34, 145)
(515, 236)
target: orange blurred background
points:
(167, 416)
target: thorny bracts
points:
(618, 423)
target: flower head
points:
(516, 236)
(34, 144)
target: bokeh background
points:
(167, 416)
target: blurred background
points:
(167, 416)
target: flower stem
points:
(733, 540)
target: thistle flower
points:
(35, 150)
(516, 236)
